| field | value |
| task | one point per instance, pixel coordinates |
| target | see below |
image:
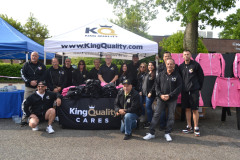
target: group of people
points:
(142, 84)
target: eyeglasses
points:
(142, 66)
(40, 86)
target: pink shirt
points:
(212, 64)
(226, 92)
(178, 58)
(236, 65)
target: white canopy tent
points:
(99, 38)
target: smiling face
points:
(124, 68)
(34, 57)
(150, 67)
(108, 59)
(142, 68)
(166, 56)
(41, 88)
(55, 63)
(170, 65)
(127, 88)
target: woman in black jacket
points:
(80, 75)
(124, 74)
(148, 90)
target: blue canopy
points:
(15, 45)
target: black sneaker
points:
(197, 132)
(24, 120)
(127, 137)
(187, 130)
(147, 125)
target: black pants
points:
(162, 105)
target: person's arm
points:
(27, 104)
(200, 76)
(114, 79)
(117, 104)
(135, 105)
(24, 75)
(100, 78)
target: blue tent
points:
(15, 45)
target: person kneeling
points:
(168, 87)
(127, 105)
(39, 106)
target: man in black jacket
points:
(55, 77)
(168, 87)
(193, 78)
(32, 72)
(133, 69)
(39, 107)
(93, 74)
(127, 105)
(68, 72)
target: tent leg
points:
(45, 58)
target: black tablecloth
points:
(88, 113)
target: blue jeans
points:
(128, 123)
(148, 106)
(142, 101)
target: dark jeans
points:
(161, 105)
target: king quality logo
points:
(103, 31)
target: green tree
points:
(192, 12)
(35, 30)
(231, 27)
(174, 44)
(17, 25)
(134, 16)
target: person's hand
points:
(33, 83)
(121, 111)
(149, 95)
(166, 97)
(55, 90)
(59, 102)
(140, 93)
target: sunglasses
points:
(142, 66)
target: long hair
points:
(145, 65)
(121, 69)
(83, 62)
(153, 74)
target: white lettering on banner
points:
(93, 120)
(80, 112)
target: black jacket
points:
(133, 69)
(32, 71)
(148, 85)
(55, 78)
(139, 81)
(93, 74)
(34, 104)
(122, 77)
(131, 103)
(192, 75)
(79, 77)
(168, 84)
(68, 76)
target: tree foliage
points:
(135, 15)
(35, 30)
(231, 26)
(174, 44)
(32, 29)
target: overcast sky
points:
(65, 15)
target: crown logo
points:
(91, 107)
(106, 26)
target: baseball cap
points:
(127, 81)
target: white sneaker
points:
(149, 136)
(35, 129)
(56, 118)
(168, 137)
(49, 129)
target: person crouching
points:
(39, 107)
(127, 105)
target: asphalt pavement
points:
(219, 140)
